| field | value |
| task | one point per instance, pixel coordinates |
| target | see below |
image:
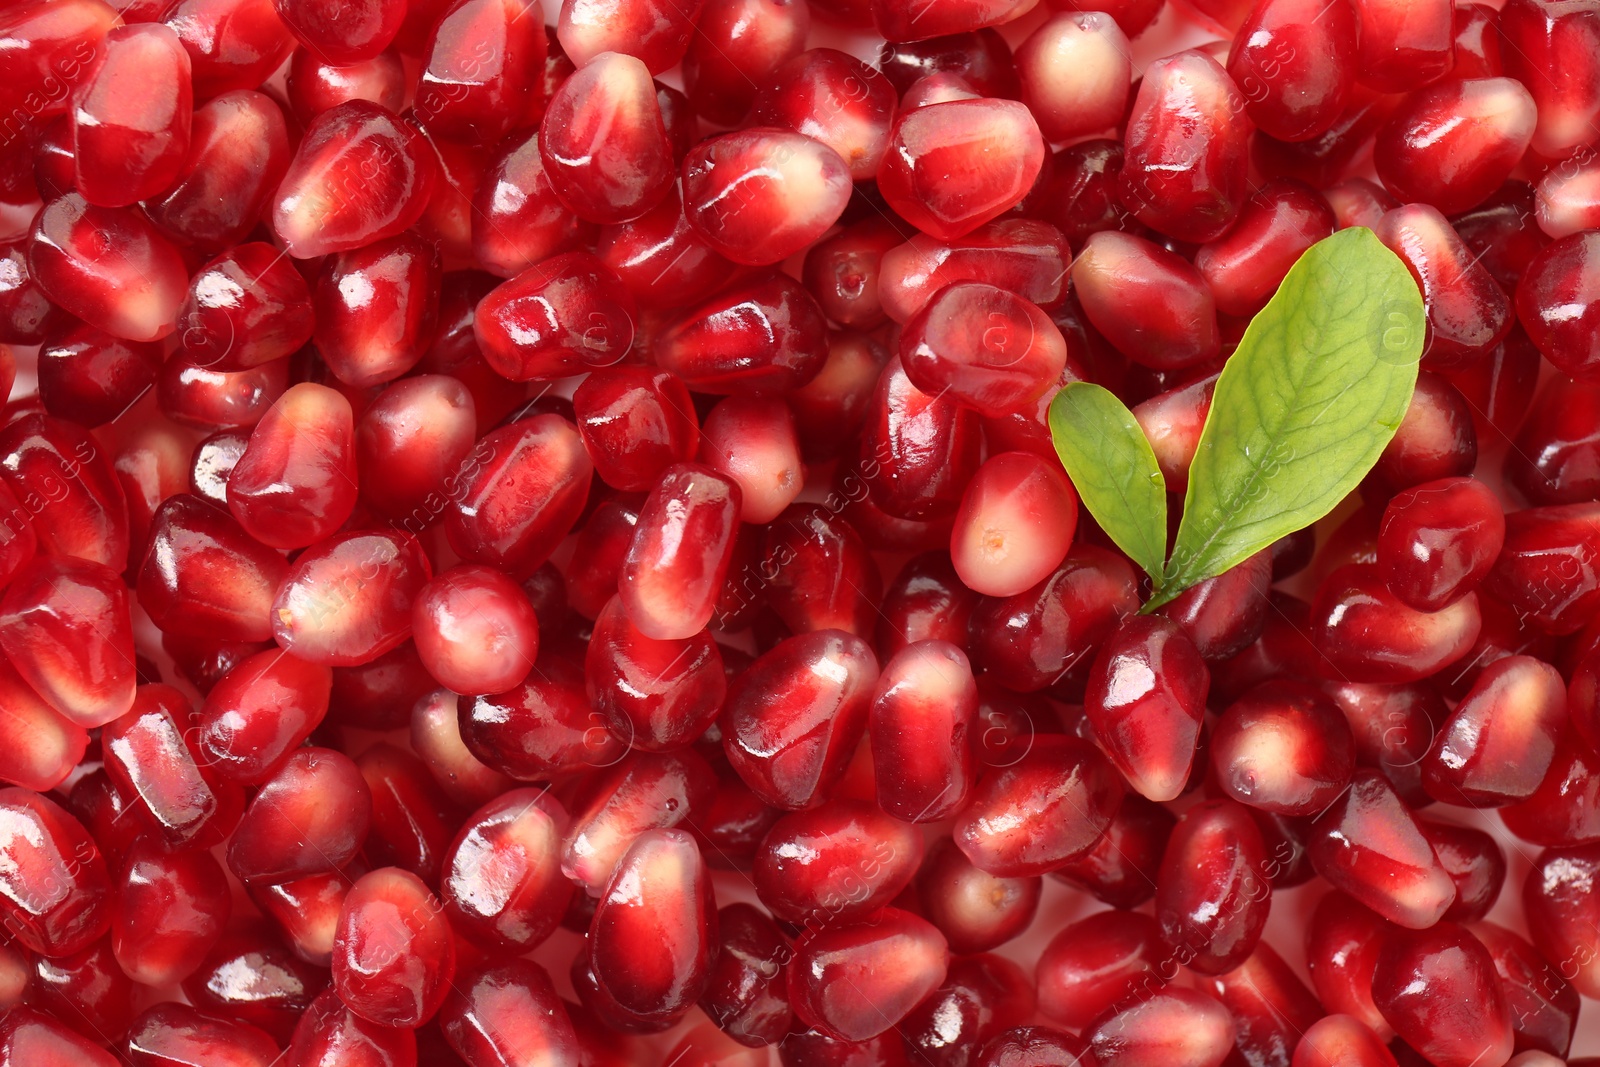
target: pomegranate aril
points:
(507, 1014)
(207, 399)
(1172, 1027)
(412, 820)
(1438, 541)
(475, 630)
(1120, 868)
(543, 726)
(379, 695)
(1031, 1046)
(26, 314)
(1468, 312)
(1550, 48)
(1543, 1006)
(516, 219)
(603, 142)
(1225, 614)
(659, 895)
(502, 883)
(131, 116)
(815, 573)
(834, 98)
(663, 260)
(1211, 902)
(1368, 634)
(482, 71)
(1294, 64)
(153, 755)
(436, 737)
(306, 910)
(654, 695)
(746, 995)
(1403, 46)
(31, 1038)
(922, 720)
(590, 581)
(313, 84)
(330, 1034)
(512, 508)
(1436, 438)
(108, 266)
(765, 335)
(412, 440)
(348, 599)
(752, 440)
(393, 950)
(917, 450)
(1473, 130)
(1343, 940)
(1151, 304)
(246, 307)
(340, 33)
(1563, 810)
(981, 997)
(66, 627)
(170, 1034)
(1370, 846)
(251, 977)
(758, 196)
(56, 892)
(89, 377)
(644, 792)
(1475, 864)
(1270, 1005)
(1041, 811)
(926, 602)
(1439, 989)
(1557, 304)
(296, 482)
(557, 318)
(929, 144)
(1341, 1041)
(1025, 257)
(260, 711)
(375, 308)
(1359, 202)
(680, 552)
(39, 747)
(1244, 267)
(975, 910)
(1075, 71)
(1559, 905)
(836, 863)
(736, 46)
(1110, 958)
(1393, 726)
(1498, 743)
(656, 33)
(853, 981)
(1285, 748)
(168, 913)
(1545, 570)
(1145, 700)
(359, 175)
(309, 818)
(635, 422)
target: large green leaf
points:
(1303, 408)
(1110, 462)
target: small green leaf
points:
(1110, 462)
(1303, 408)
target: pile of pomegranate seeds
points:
(542, 546)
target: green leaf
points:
(1110, 462)
(1303, 408)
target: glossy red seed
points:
(170, 1034)
(1498, 743)
(1544, 571)
(1544, 1007)
(981, 997)
(656, 33)
(1175, 1027)
(168, 913)
(412, 440)
(296, 482)
(475, 630)
(1343, 940)
(375, 308)
(261, 710)
(1341, 1041)
(502, 883)
(306, 910)
(1439, 990)
(41, 747)
(1438, 541)
(314, 85)
(987, 347)
(661, 258)
(1146, 697)
(514, 506)
(516, 219)
(57, 895)
(752, 440)
(1211, 897)
(759, 196)
(348, 599)
(792, 720)
(646, 791)
(1023, 256)
(931, 143)
(343, 34)
(766, 335)
(131, 116)
(556, 318)
(917, 450)
(329, 1034)
(1370, 846)
(661, 891)
(250, 976)
(1472, 130)
(836, 863)
(1369, 635)
(1186, 145)
(1031, 1046)
(358, 176)
(1070, 794)
(1468, 313)
(1223, 615)
(834, 98)
(635, 422)
(482, 71)
(436, 737)
(1120, 868)
(90, 377)
(746, 995)
(975, 910)
(393, 951)
(1075, 71)
(921, 724)
(856, 980)
(654, 695)
(508, 1013)
(108, 266)
(66, 627)
(1475, 864)
(1270, 1005)
(1154, 307)
(310, 817)
(814, 571)
(1110, 958)
(927, 601)
(152, 753)
(680, 552)
(603, 141)
(1294, 64)
(26, 313)
(1244, 266)
(1403, 46)
(1540, 37)
(735, 47)
(1284, 748)
(31, 1037)
(1556, 304)
(543, 726)
(246, 307)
